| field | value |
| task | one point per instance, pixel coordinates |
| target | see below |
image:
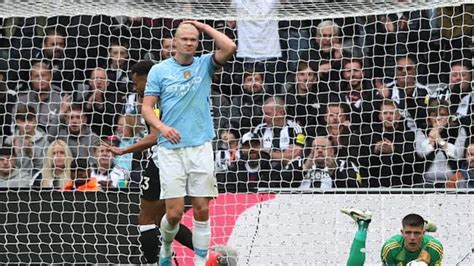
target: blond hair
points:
(186, 26)
(48, 166)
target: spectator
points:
(44, 97)
(457, 88)
(77, 133)
(226, 150)
(397, 34)
(387, 149)
(10, 175)
(65, 70)
(306, 99)
(411, 97)
(56, 170)
(325, 53)
(458, 92)
(356, 93)
(402, 33)
(19, 33)
(295, 35)
(464, 177)
(440, 145)
(29, 140)
(461, 96)
(460, 85)
(81, 179)
(220, 102)
(281, 138)
(107, 174)
(249, 170)
(8, 97)
(252, 51)
(91, 36)
(117, 70)
(142, 32)
(102, 105)
(53, 45)
(164, 47)
(168, 48)
(246, 111)
(380, 43)
(339, 130)
(127, 131)
(321, 169)
(456, 31)
(413, 35)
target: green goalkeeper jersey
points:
(394, 253)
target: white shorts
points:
(187, 172)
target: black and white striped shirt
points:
(410, 109)
(280, 138)
(461, 106)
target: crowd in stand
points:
(376, 101)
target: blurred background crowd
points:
(374, 101)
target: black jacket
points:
(387, 170)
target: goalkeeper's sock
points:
(168, 232)
(201, 239)
(357, 253)
(363, 225)
(185, 236)
(149, 242)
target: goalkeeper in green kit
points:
(412, 247)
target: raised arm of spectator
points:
(423, 147)
(456, 150)
(226, 47)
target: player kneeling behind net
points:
(412, 247)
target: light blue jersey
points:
(183, 93)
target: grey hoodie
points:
(80, 145)
(40, 144)
(48, 112)
(17, 179)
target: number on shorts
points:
(146, 183)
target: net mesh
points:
(327, 97)
(214, 9)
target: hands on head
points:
(201, 27)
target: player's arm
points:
(225, 46)
(388, 254)
(148, 113)
(435, 250)
(146, 142)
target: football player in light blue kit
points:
(181, 86)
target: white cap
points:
(249, 136)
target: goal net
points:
(325, 104)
